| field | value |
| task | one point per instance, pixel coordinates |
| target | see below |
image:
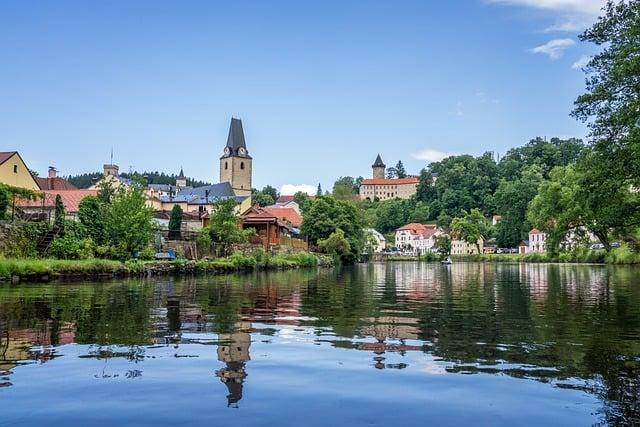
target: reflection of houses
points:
(390, 328)
(271, 230)
(233, 350)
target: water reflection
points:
(573, 328)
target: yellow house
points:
(14, 172)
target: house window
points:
(15, 168)
(241, 165)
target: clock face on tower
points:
(242, 151)
(227, 151)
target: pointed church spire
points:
(378, 163)
(235, 140)
(181, 173)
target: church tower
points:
(181, 180)
(378, 168)
(235, 163)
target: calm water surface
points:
(397, 344)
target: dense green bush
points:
(69, 247)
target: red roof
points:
(284, 199)
(286, 214)
(56, 183)
(385, 181)
(416, 227)
(70, 199)
(535, 231)
(6, 155)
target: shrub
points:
(68, 247)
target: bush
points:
(68, 247)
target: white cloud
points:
(580, 7)
(553, 48)
(570, 15)
(291, 189)
(431, 155)
(581, 62)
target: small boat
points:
(446, 261)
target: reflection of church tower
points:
(233, 350)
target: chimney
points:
(52, 172)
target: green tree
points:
(344, 189)
(512, 199)
(271, 191)
(261, 198)
(400, 170)
(443, 245)
(4, 203)
(175, 222)
(92, 216)
(59, 213)
(470, 227)
(556, 209)
(106, 191)
(611, 105)
(425, 191)
(302, 199)
(336, 244)
(224, 226)
(325, 215)
(129, 224)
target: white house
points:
(537, 241)
(381, 242)
(417, 238)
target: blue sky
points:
(321, 87)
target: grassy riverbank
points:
(620, 256)
(52, 269)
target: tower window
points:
(226, 165)
(241, 165)
(15, 168)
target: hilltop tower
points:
(235, 163)
(181, 180)
(378, 168)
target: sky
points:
(321, 87)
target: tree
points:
(400, 170)
(611, 105)
(91, 214)
(59, 213)
(261, 198)
(425, 192)
(555, 209)
(344, 189)
(443, 245)
(469, 227)
(4, 203)
(175, 222)
(271, 191)
(129, 223)
(336, 244)
(224, 226)
(302, 199)
(325, 215)
(106, 191)
(512, 199)
(392, 173)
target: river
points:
(379, 344)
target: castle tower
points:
(181, 180)
(378, 168)
(235, 163)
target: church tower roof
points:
(235, 140)
(378, 163)
(181, 174)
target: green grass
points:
(621, 255)
(32, 267)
